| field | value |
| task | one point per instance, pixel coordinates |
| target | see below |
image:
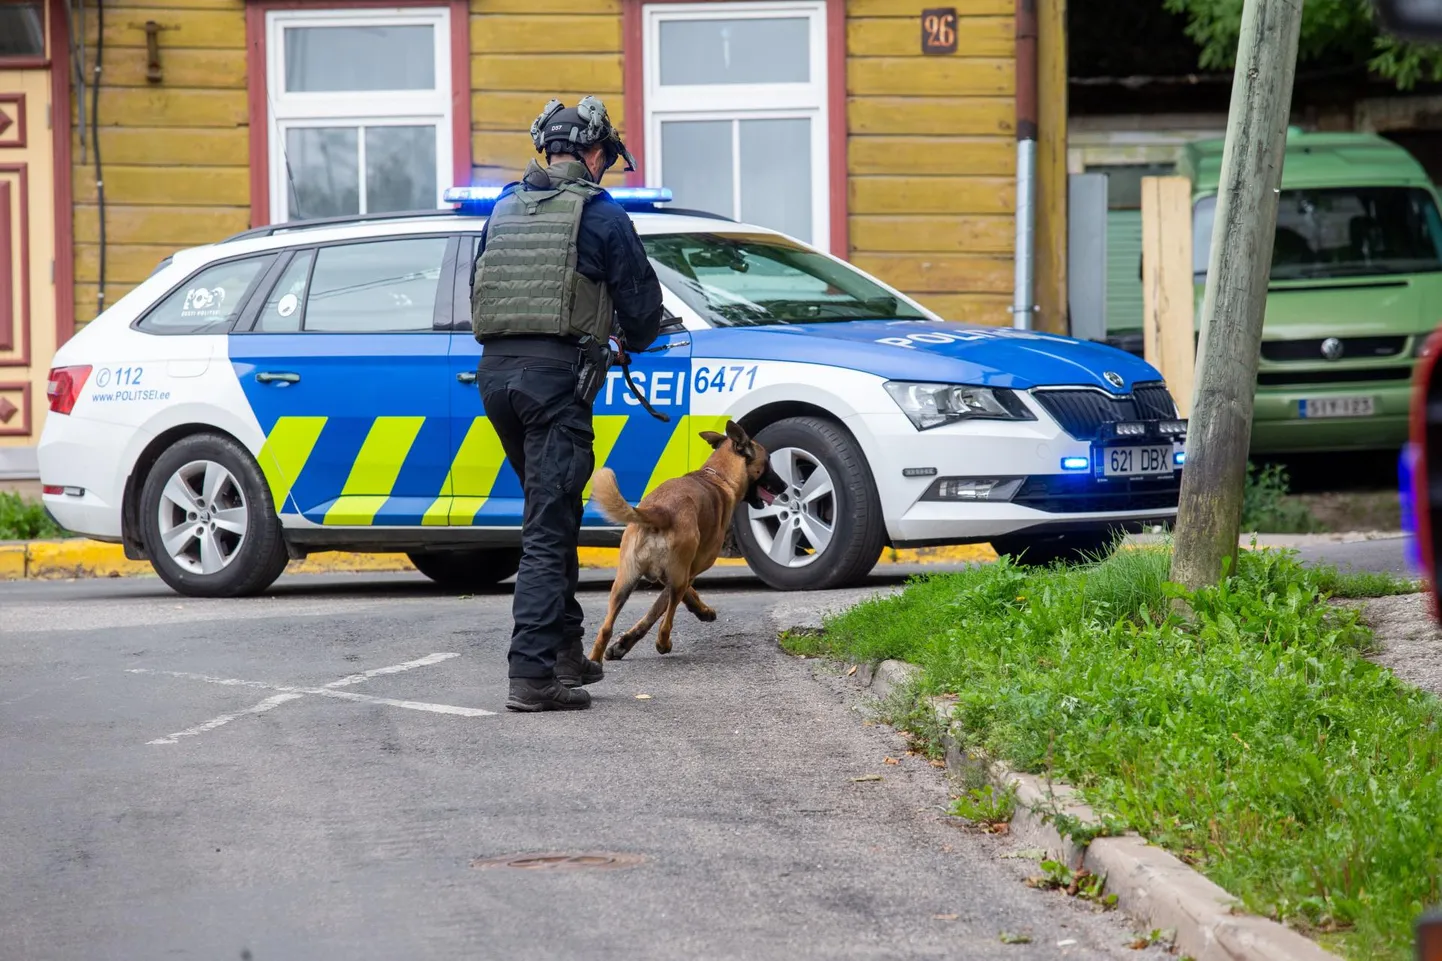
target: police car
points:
(311, 387)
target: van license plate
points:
(1336, 407)
(1136, 461)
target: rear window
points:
(742, 280)
(209, 302)
(1341, 232)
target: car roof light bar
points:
(483, 197)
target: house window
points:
(736, 111)
(360, 111)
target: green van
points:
(1356, 287)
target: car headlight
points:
(931, 405)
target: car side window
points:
(282, 311)
(376, 287)
(209, 301)
(465, 262)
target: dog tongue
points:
(766, 495)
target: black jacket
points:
(609, 251)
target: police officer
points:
(559, 264)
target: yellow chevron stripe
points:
(356, 510)
(473, 472)
(283, 455)
(607, 428)
(374, 473)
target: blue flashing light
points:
(471, 195)
(1075, 463)
(627, 196)
(1179, 458)
(482, 198)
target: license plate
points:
(1134, 461)
(1336, 407)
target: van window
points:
(1341, 232)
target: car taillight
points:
(64, 387)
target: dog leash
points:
(624, 360)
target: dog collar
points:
(712, 470)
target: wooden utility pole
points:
(1220, 428)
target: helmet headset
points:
(562, 129)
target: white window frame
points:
(743, 101)
(365, 108)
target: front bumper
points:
(1278, 427)
(1030, 452)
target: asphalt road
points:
(148, 810)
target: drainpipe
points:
(1023, 304)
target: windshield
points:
(740, 280)
(1341, 232)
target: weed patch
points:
(23, 520)
(1249, 737)
(985, 805)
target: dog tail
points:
(617, 510)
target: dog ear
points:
(737, 435)
(713, 438)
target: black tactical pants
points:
(547, 437)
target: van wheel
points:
(208, 522)
(1039, 550)
(826, 530)
(468, 570)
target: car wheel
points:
(468, 570)
(1039, 550)
(826, 530)
(208, 522)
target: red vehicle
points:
(1421, 469)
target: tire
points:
(468, 570)
(1040, 550)
(235, 547)
(799, 447)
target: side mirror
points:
(670, 323)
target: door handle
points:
(277, 376)
(466, 377)
(669, 346)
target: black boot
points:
(574, 668)
(545, 694)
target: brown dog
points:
(677, 531)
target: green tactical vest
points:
(526, 280)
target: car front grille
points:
(1353, 348)
(1082, 412)
(1080, 493)
(1353, 375)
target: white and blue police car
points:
(310, 387)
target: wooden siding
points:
(523, 53)
(174, 152)
(931, 156)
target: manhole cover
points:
(591, 860)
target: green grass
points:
(1251, 738)
(22, 520)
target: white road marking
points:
(291, 692)
(426, 661)
(216, 722)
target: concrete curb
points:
(84, 558)
(1151, 885)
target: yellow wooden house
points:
(884, 131)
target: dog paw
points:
(615, 652)
(663, 647)
(705, 614)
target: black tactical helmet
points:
(562, 129)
